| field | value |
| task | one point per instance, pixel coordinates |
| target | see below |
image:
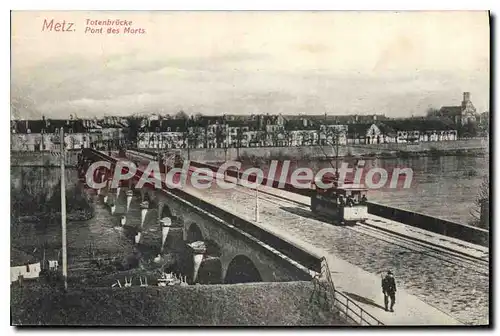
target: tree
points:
(261, 138)
(469, 130)
(331, 138)
(192, 138)
(200, 136)
(210, 137)
(221, 136)
(274, 139)
(165, 141)
(287, 137)
(181, 115)
(239, 139)
(133, 129)
(433, 112)
(480, 210)
(306, 139)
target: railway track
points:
(478, 264)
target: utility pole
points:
(337, 139)
(256, 202)
(63, 213)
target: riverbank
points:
(36, 195)
(467, 147)
(42, 159)
(255, 159)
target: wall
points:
(220, 154)
(16, 271)
(262, 304)
(41, 159)
(447, 228)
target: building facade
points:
(463, 114)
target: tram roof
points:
(352, 186)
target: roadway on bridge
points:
(357, 261)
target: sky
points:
(214, 63)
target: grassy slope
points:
(292, 303)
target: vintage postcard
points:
(233, 168)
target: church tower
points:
(468, 110)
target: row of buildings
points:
(224, 132)
(227, 131)
(43, 135)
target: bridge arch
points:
(210, 271)
(153, 200)
(165, 211)
(193, 233)
(242, 269)
(146, 196)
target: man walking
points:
(389, 290)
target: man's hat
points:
(389, 272)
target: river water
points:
(446, 187)
(99, 230)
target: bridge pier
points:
(111, 192)
(102, 178)
(108, 184)
(102, 175)
(198, 249)
(137, 237)
(144, 211)
(130, 184)
(165, 223)
(130, 195)
(112, 207)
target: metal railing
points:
(339, 302)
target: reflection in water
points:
(30, 236)
(444, 187)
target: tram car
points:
(346, 205)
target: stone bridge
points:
(211, 245)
